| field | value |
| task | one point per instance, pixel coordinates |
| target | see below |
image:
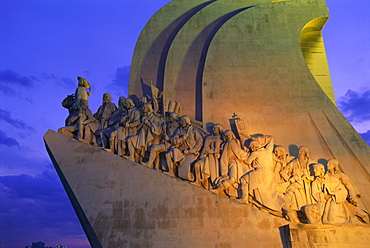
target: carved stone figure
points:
(207, 168)
(185, 148)
(330, 195)
(105, 111)
(128, 126)
(112, 125)
(77, 123)
(170, 127)
(232, 166)
(259, 186)
(149, 133)
(81, 93)
(355, 205)
(297, 172)
(281, 158)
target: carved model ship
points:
(292, 155)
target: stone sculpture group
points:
(249, 168)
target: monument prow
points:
(123, 204)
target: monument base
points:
(338, 236)
(124, 204)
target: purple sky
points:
(45, 45)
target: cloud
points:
(10, 77)
(36, 208)
(64, 82)
(366, 137)
(119, 84)
(355, 106)
(5, 116)
(7, 141)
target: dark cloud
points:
(7, 90)
(36, 208)
(5, 116)
(119, 84)
(10, 77)
(366, 137)
(8, 141)
(64, 82)
(355, 106)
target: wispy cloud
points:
(5, 116)
(12, 83)
(64, 82)
(355, 106)
(119, 84)
(10, 77)
(8, 141)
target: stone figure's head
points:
(217, 129)
(147, 108)
(254, 145)
(121, 102)
(172, 116)
(303, 151)
(83, 82)
(143, 100)
(319, 170)
(333, 166)
(107, 97)
(184, 121)
(229, 135)
(279, 151)
(129, 103)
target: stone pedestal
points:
(325, 236)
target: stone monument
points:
(230, 137)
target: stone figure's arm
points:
(269, 143)
(156, 126)
(251, 158)
(89, 117)
(347, 182)
(340, 193)
(316, 192)
(198, 141)
(286, 172)
(75, 116)
(135, 120)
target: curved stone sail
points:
(264, 61)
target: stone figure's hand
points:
(353, 201)
(327, 197)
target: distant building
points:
(39, 245)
